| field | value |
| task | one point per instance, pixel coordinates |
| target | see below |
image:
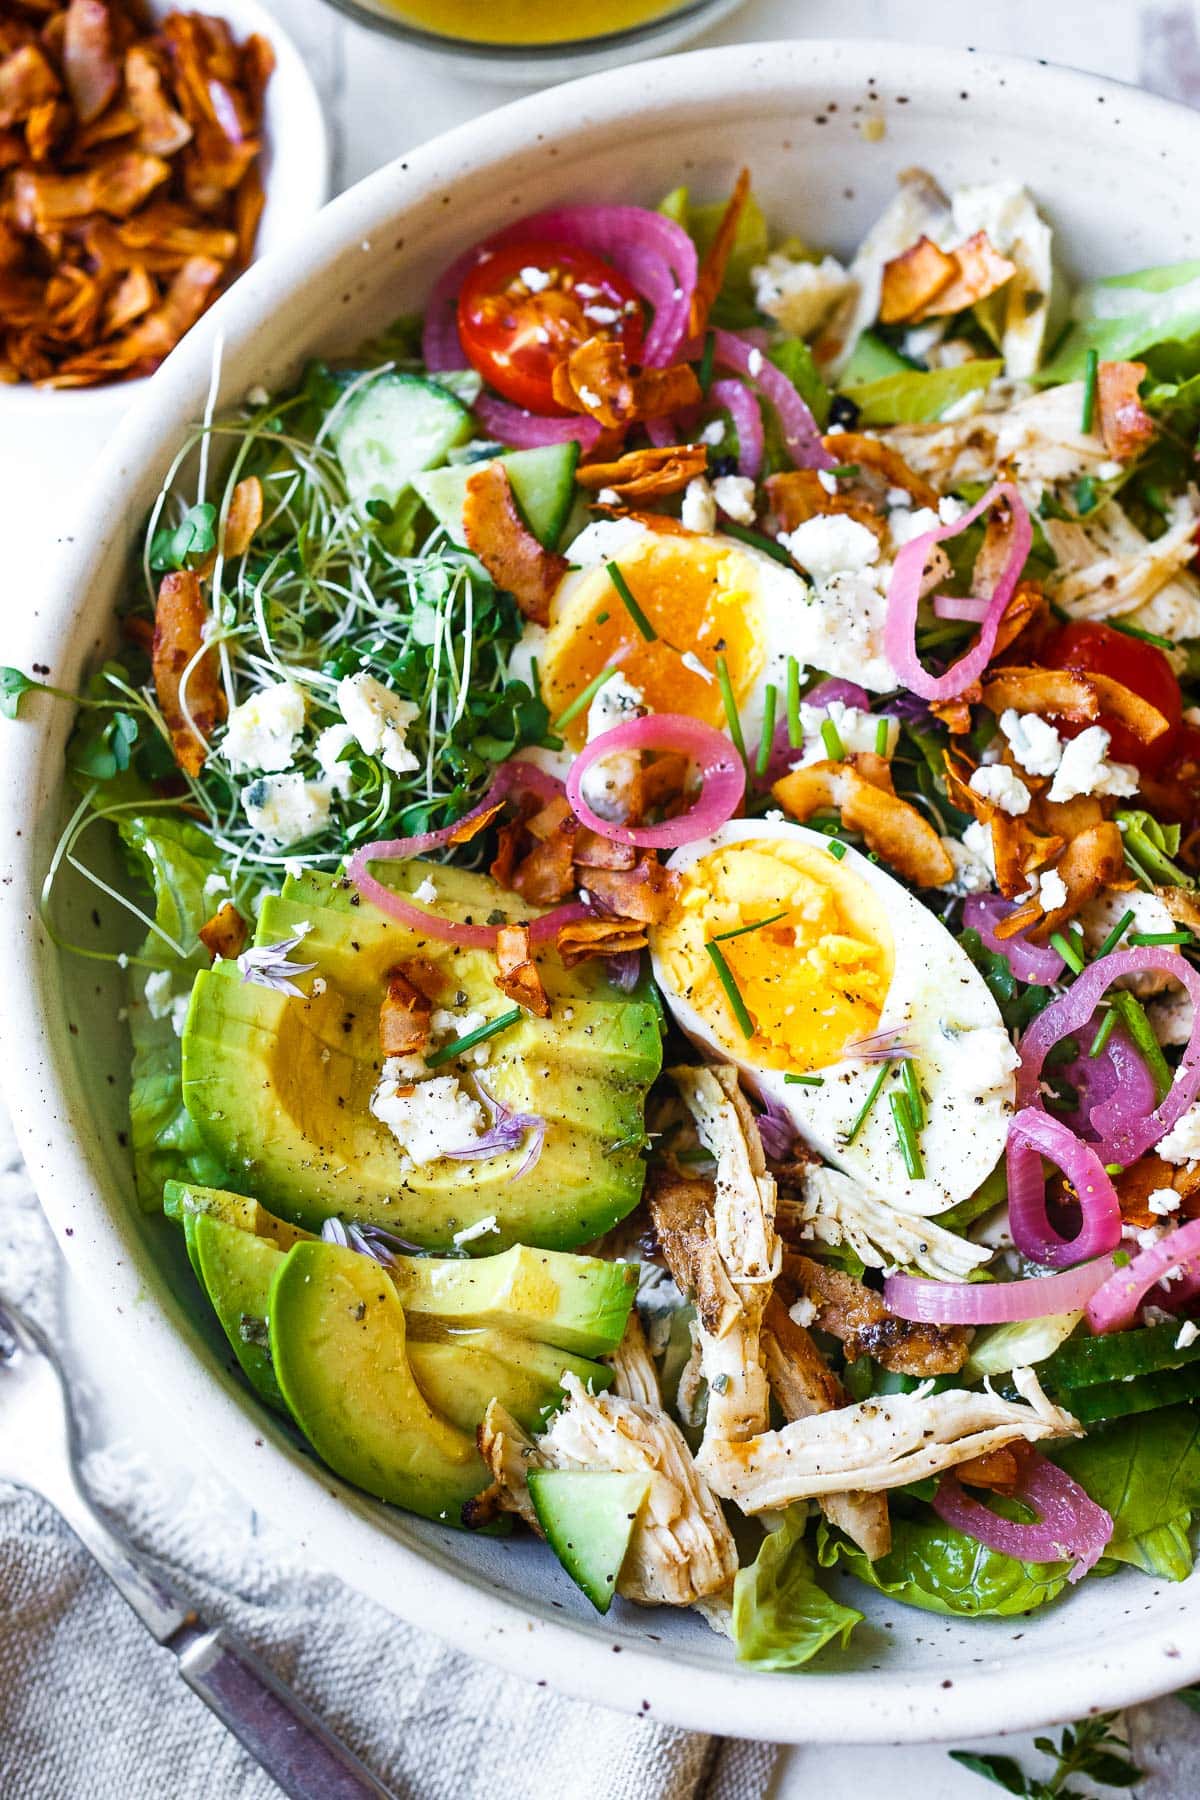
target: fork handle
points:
(288, 1740)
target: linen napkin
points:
(91, 1709)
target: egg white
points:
(835, 626)
(941, 1005)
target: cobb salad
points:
(661, 807)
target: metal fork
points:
(40, 1449)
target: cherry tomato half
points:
(524, 309)
(1095, 649)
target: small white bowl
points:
(295, 171)
(1112, 168)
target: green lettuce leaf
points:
(1145, 1471)
(1125, 315)
(794, 357)
(917, 396)
(781, 1614)
(734, 307)
(941, 1570)
(176, 859)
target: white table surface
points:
(381, 99)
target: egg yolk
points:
(698, 594)
(812, 980)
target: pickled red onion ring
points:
(722, 774)
(1070, 1522)
(1114, 1306)
(522, 430)
(994, 1302)
(904, 592)
(1131, 1130)
(1028, 962)
(746, 414)
(801, 433)
(1032, 1135)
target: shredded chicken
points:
(509, 1453)
(835, 1209)
(681, 1549)
(803, 1385)
(728, 1253)
(1037, 434)
(878, 1444)
(1107, 569)
(634, 1374)
(858, 1317)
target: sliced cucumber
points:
(391, 429)
(543, 485)
(588, 1516)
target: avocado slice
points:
(578, 1303)
(235, 1269)
(281, 1087)
(462, 1374)
(588, 1516)
(182, 1200)
(338, 1345)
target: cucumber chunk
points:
(543, 485)
(391, 429)
(588, 1516)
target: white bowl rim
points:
(475, 1618)
(297, 186)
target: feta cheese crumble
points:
(799, 296)
(831, 544)
(972, 875)
(331, 745)
(699, 509)
(263, 732)
(1034, 742)
(858, 730)
(1084, 770)
(379, 720)
(1189, 1331)
(1004, 789)
(427, 1119)
(479, 1229)
(286, 808)
(1052, 890)
(1182, 1142)
(1162, 1202)
(734, 495)
(426, 894)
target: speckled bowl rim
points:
(60, 1138)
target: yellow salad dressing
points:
(529, 21)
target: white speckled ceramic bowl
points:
(1114, 170)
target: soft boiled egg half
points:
(848, 954)
(704, 595)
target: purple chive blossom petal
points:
(880, 1046)
(777, 1132)
(267, 965)
(625, 970)
(381, 1245)
(506, 1133)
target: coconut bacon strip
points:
(879, 1443)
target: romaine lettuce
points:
(1125, 315)
(781, 1614)
(935, 1567)
(918, 396)
(1145, 1471)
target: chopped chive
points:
(730, 704)
(456, 1047)
(1120, 1259)
(881, 738)
(603, 618)
(836, 849)
(631, 606)
(1067, 951)
(912, 1089)
(835, 750)
(1090, 380)
(843, 471)
(906, 1131)
(584, 697)
(1116, 934)
(1145, 637)
(804, 1081)
(723, 937)
(767, 739)
(1140, 1030)
(1114, 1168)
(535, 675)
(870, 1100)
(1141, 938)
(1085, 496)
(758, 539)
(795, 729)
(1105, 1031)
(704, 373)
(725, 977)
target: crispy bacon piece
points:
(1149, 1175)
(999, 1470)
(595, 852)
(862, 793)
(1018, 850)
(225, 934)
(90, 65)
(546, 874)
(596, 379)
(856, 1314)
(148, 342)
(647, 474)
(796, 495)
(244, 516)
(912, 280)
(979, 271)
(1091, 862)
(161, 131)
(133, 296)
(870, 453)
(404, 1017)
(587, 939)
(1125, 425)
(716, 258)
(506, 547)
(27, 81)
(519, 977)
(643, 893)
(179, 621)
(1063, 693)
(1026, 611)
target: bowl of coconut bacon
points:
(598, 921)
